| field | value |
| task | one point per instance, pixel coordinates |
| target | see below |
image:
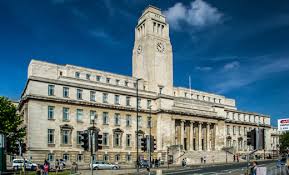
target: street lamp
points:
(137, 157)
(150, 137)
(92, 132)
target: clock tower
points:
(152, 52)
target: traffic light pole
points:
(92, 130)
(150, 141)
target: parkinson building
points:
(60, 101)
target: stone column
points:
(200, 135)
(208, 137)
(173, 132)
(191, 135)
(182, 131)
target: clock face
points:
(160, 47)
(139, 49)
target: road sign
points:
(283, 124)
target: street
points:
(232, 169)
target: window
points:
(128, 140)
(104, 98)
(105, 139)
(51, 90)
(105, 118)
(98, 78)
(116, 139)
(139, 102)
(140, 121)
(65, 137)
(106, 157)
(128, 120)
(92, 95)
(88, 76)
(79, 157)
(50, 136)
(65, 92)
(127, 101)
(77, 74)
(149, 103)
(126, 83)
(228, 130)
(79, 94)
(65, 114)
(128, 157)
(116, 99)
(66, 157)
(50, 112)
(239, 130)
(185, 94)
(60, 73)
(117, 157)
(79, 114)
(78, 137)
(50, 157)
(149, 122)
(93, 117)
(134, 85)
(117, 82)
(117, 119)
(107, 80)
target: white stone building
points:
(58, 101)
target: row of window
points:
(105, 96)
(80, 157)
(66, 138)
(201, 97)
(237, 130)
(108, 80)
(93, 116)
(245, 117)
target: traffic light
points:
(144, 144)
(251, 138)
(85, 141)
(98, 143)
(23, 148)
(153, 144)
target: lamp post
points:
(92, 132)
(150, 137)
(137, 144)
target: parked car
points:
(18, 164)
(144, 163)
(281, 162)
(101, 165)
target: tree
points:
(11, 125)
(284, 142)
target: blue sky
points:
(235, 48)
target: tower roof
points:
(153, 9)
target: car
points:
(281, 162)
(101, 165)
(18, 164)
(144, 163)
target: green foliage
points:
(284, 142)
(11, 124)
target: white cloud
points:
(176, 14)
(248, 74)
(232, 65)
(205, 68)
(198, 14)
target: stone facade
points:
(58, 102)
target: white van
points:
(18, 164)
